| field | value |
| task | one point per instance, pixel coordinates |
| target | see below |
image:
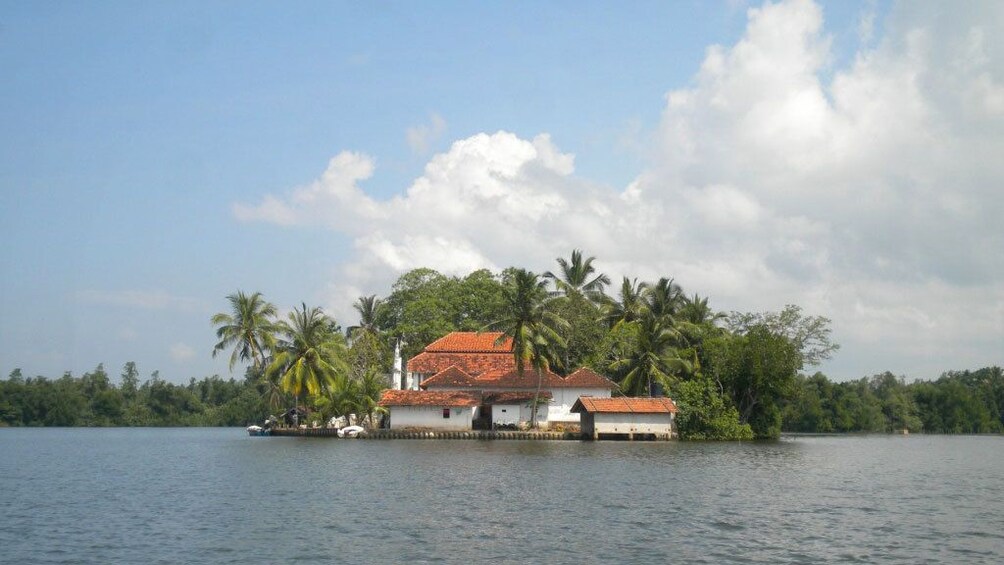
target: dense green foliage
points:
(425, 305)
(959, 402)
(93, 400)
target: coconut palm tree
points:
(574, 277)
(697, 322)
(534, 328)
(371, 386)
(697, 311)
(654, 359)
(367, 306)
(630, 307)
(310, 353)
(368, 349)
(249, 328)
(664, 299)
(342, 397)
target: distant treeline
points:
(959, 402)
(94, 400)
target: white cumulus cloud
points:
(869, 193)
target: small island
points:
(520, 352)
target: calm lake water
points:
(217, 496)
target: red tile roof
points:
(470, 342)
(624, 404)
(451, 377)
(583, 378)
(471, 363)
(515, 397)
(476, 355)
(472, 352)
(512, 379)
(429, 398)
(587, 378)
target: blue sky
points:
(157, 157)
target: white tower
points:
(396, 376)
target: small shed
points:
(441, 410)
(626, 418)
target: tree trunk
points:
(536, 398)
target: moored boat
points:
(258, 431)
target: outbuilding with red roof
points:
(631, 418)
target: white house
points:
(482, 365)
(446, 410)
(627, 417)
(563, 391)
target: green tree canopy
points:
(758, 370)
(810, 334)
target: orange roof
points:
(470, 363)
(624, 404)
(471, 352)
(470, 342)
(428, 398)
(451, 377)
(512, 379)
(587, 378)
(583, 378)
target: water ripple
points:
(215, 496)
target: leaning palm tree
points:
(249, 328)
(533, 327)
(654, 359)
(629, 308)
(310, 353)
(574, 277)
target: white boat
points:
(257, 431)
(351, 431)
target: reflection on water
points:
(216, 496)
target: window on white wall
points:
(446, 412)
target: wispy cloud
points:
(182, 352)
(866, 24)
(420, 138)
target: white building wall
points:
(430, 417)
(560, 409)
(507, 414)
(620, 423)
